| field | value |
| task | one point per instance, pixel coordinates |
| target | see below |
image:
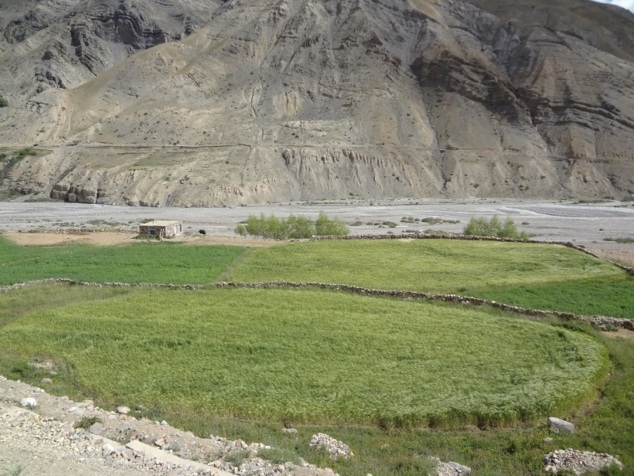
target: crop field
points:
(139, 263)
(314, 356)
(395, 379)
(421, 265)
(609, 297)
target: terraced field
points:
(372, 371)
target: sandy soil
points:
(621, 333)
(625, 257)
(112, 239)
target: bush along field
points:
(292, 227)
(398, 380)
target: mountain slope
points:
(199, 103)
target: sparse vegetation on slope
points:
(309, 356)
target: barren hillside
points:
(211, 102)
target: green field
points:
(139, 263)
(609, 297)
(314, 356)
(395, 379)
(421, 265)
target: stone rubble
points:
(50, 436)
(335, 448)
(579, 462)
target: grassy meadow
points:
(396, 380)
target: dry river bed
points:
(588, 224)
(34, 444)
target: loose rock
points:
(28, 402)
(59, 448)
(560, 426)
(335, 448)
(580, 462)
(450, 468)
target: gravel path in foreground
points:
(38, 436)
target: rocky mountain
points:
(211, 102)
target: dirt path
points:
(38, 435)
(113, 239)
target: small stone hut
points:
(161, 229)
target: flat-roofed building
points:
(161, 229)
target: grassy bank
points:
(306, 356)
(143, 262)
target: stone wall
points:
(599, 322)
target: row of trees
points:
(494, 227)
(293, 227)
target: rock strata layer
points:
(211, 102)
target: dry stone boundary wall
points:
(600, 322)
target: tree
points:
(494, 227)
(325, 226)
(291, 228)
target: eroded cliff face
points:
(204, 102)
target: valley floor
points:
(592, 225)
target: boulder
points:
(557, 425)
(96, 428)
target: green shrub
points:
(300, 227)
(292, 228)
(86, 422)
(325, 226)
(238, 457)
(26, 151)
(3, 102)
(620, 240)
(241, 229)
(279, 456)
(494, 227)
